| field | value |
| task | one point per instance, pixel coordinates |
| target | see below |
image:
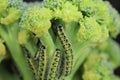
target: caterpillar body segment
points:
(61, 68)
(53, 71)
(31, 63)
(65, 66)
(34, 70)
(42, 62)
(68, 65)
(68, 56)
(63, 38)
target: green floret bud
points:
(36, 20)
(104, 33)
(89, 30)
(11, 12)
(13, 15)
(90, 75)
(87, 7)
(113, 51)
(23, 36)
(68, 12)
(3, 5)
(96, 9)
(114, 26)
(102, 14)
(97, 67)
(53, 4)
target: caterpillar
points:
(31, 62)
(42, 62)
(54, 65)
(38, 62)
(68, 56)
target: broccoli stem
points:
(19, 58)
(10, 37)
(71, 30)
(77, 47)
(31, 48)
(46, 39)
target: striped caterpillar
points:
(40, 72)
(68, 56)
(54, 65)
(31, 62)
(60, 64)
(42, 62)
(38, 62)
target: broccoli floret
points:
(97, 67)
(68, 12)
(96, 8)
(114, 26)
(13, 15)
(89, 31)
(87, 7)
(36, 21)
(23, 36)
(113, 51)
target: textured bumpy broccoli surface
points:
(59, 40)
(97, 67)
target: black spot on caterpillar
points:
(42, 62)
(68, 56)
(52, 74)
(63, 38)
